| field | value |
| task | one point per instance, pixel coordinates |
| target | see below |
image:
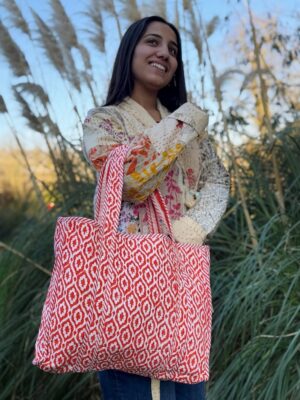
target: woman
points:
(147, 109)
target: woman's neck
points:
(147, 99)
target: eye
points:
(173, 51)
(152, 41)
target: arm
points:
(150, 154)
(210, 200)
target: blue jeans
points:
(118, 385)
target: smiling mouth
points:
(158, 66)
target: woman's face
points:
(155, 57)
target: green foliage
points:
(256, 335)
(12, 208)
(23, 289)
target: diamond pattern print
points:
(137, 303)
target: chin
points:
(157, 85)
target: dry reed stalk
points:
(63, 25)
(50, 44)
(52, 127)
(3, 108)
(53, 159)
(38, 92)
(249, 78)
(176, 22)
(32, 120)
(57, 164)
(85, 56)
(61, 141)
(186, 4)
(211, 26)
(54, 53)
(16, 16)
(267, 119)
(130, 10)
(87, 77)
(68, 37)
(71, 70)
(13, 53)
(195, 33)
(282, 87)
(221, 79)
(67, 34)
(218, 94)
(97, 36)
(184, 49)
(35, 90)
(109, 6)
(195, 36)
(251, 82)
(160, 8)
(88, 81)
(32, 176)
(34, 123)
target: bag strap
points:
(108, 197)
(157, 213)
(109, 189)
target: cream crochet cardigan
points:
(174, 155)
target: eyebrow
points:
(160, 37)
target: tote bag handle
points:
(158, 214)
(109, 197)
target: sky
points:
(49, 79)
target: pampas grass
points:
(32, 120)
(97, 35)
(109, 6)
(3, 108)
(13, 53)
(37, 91)
(212, 25)
(16, 16)
(50, 44)
(195, 33)
(63, 25)
(68, 38)
(130, 10)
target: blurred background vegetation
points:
(249, 81)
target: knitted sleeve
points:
(208, 200)
(213, 189)
(151, 153)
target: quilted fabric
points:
(132, 302)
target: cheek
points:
(174, 66)
(137, 60)
(140, 53)
(135, 64)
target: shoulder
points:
(103, 115)
(101, 111)
(104, 124)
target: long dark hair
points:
(122, 81)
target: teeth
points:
(159, 66)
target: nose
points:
(163, 52)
